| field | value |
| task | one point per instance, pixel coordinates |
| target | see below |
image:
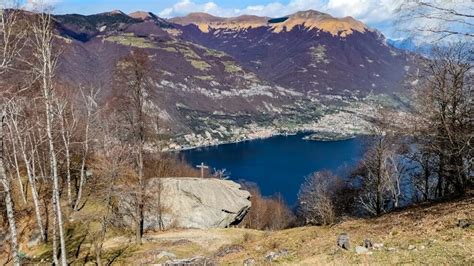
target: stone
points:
(411, 247)
(392, 249)
(199, 260)
(343, 241)
(361, 250)
(464, 223)
(378, 245)
(226, 250)
(368, 244)
(250, 262)
(165, 254)
(199, 203)
(272, 255)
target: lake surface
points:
(279, 164)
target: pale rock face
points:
(308, 19)
(195, 203)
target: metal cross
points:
(202, 166)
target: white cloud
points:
(369, 11)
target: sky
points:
(375, 13)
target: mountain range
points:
(229, 79)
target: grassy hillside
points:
(426, 234)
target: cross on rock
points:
(202, 166)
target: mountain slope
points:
(230, 79)
(307, 51)
(425, 234)
(204, 95)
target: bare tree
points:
(443, 117)
(133, 76)
(11, 40)
(112, 159)
(425, 174)
(68, 123)
(395, 172)
(435, 20)
(90, 105)
(315, 199)
(20, 130)
(221, 173)
(267, 213)
(372, 171)
(4, 179)
(44, 65)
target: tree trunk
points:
(139, 229)
(8, 200)
(17, 169)
(55, 234)
(83, 166)
(32, 180)
(66, 142)
(54, 167)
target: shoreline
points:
(308, 136)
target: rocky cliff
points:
(194, 203)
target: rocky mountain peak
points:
(310, 14)
(310, 19)
(143, 15)
(115, 12)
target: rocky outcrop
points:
(194, 203)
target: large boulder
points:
(194, 203)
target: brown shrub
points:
(166, 165)
(267, 213)
(323, 198)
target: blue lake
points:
(279, 164)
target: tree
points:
(315, 199)
(112, 159)
(68, 124)
(425, 176)
(20, 128)
(44, 65)
(436, 20)
(134, 79)
(267, 213)
(11, 40)
(442, 120)
(90, 106)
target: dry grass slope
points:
(430, 230)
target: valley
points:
(224, 133)
(216, 81)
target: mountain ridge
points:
(228, 84)
(309, 19)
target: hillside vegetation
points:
(425, 234)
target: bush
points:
(267, 213)
(322, 199)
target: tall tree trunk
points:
(35, 196)
(55, 234)
(54, 168)
(141, 180)
(66, 141)
(83, 166)
(17, 169)
(31, 179)
(8, 199)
